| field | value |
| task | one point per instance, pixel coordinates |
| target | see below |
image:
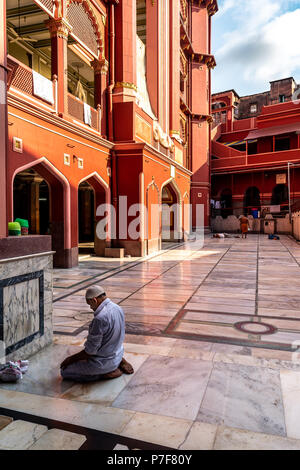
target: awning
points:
(270, 131)
(239, 142)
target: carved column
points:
(59, 31)
(100, 84)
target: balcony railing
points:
(76, 110)
(21, 82)
(257, 160)
(222, 151)
(21, 78)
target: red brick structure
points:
(99, 100)
(244, 107)
(256, 161)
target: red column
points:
(3, 120)
(125, 40)
(174, 67)
(200, 105)
(100, 84)
(152, 36)
(59, 31)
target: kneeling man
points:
(102, 357)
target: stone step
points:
(20, 435)
(5, 421)
(23, 435)
(56, 439)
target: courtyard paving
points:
(212, 332)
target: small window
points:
(281, 98)
(253, 108)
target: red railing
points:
(20, 77)
(258, 159)
(76, 110)
(222, 151)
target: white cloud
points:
(260, 43)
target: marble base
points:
(25, 305)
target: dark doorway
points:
(86, 213)
(280, 195)
(226, 203)
(251, 200)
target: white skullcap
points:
(94, 292)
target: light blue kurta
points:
(104, 343)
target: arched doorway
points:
(251, 200)
(86, 215)
(226, 203)
(39, 197)
(171, 216)
(91, 194)
(280, 195)
(32, 201)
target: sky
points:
(255, 42)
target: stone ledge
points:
(14, 247)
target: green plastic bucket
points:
(24, 226)
(14, 229)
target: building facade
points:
(256, 162)
(104, 102)
(246, 107)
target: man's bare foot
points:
(126, 367)
(112, 375)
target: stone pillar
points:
(59, 31)
(100, 85)
(3, 120)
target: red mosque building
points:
(255, 161)
(103, 99)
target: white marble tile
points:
(57, 439)
(290, 383)
(162, 430)
(43, 375)
(21, 311)
(200, 437)
(88, 415)
(147, 349)
(106, 391)
(237, 439)
(244, 397)
(20, 435)
(167, 386)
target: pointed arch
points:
(43, 162)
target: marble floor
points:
(212, 332)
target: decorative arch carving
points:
(175, 187)
(86, 4)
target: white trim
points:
(85, 126)
(176, 187)
(30, 98)
(98, 177)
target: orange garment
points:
(244, 224)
